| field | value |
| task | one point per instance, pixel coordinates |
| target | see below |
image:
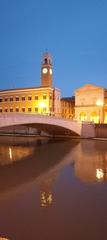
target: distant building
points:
(91, 104)
(67, 107)
(39, 100)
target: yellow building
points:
(91, 104)
(39, 100)
(67, 107)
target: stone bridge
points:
(49, 124)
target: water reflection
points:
(90, 161)
(3, 238)
(14, 149)
(42, 190)
(25, 161)
(46, 185)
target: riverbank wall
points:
(22, 130)
(101, 130)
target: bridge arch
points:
(52, 125)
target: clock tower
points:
(46, 71)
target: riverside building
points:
(68, 107)
(91, 104)
(39, 100)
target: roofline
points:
(27, 89)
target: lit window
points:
(36, 97)
(11, 99)
(23, 98)
(29, 109)
(44, 96)
(17, 98)
(44, 109)
(23, 109)
(36, 109)
(17, 109)
(29, 98)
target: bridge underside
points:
(52, 129)
(47, 128)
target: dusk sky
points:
(73, 31)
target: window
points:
(45, 60)
(17, 109)
(23, 109)
(6, 99)
(36, 97)
(44, 109)
(17, 98)
(50, 109)
(36, 109)
(29, 109)
(6, 110)
(29, 98)
(23, 98)
(1, 110)
(50, 96)
(11, 99)
(1, 100)
(11, 109)
(44, 96)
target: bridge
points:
(49, 124)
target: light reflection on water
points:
(51, 187)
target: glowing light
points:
(99, 102)
(10, 153)
(45, 70)
(99, 173)
(46, 199)
(42, 104)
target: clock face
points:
(45, 70)
(50, 71)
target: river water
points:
(53, 189)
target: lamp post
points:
(100, 104)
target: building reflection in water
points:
(32, 161)
(3, 238)
(46, 199)
(46, 189)
(90, 161)
(13, 149)
(99, 174)
(10, 153)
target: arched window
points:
(82, 116)
(94, 117)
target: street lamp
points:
(99, 103)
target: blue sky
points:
(73, 31)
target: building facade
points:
(91, 104)
(39, 100)
(67, 107)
